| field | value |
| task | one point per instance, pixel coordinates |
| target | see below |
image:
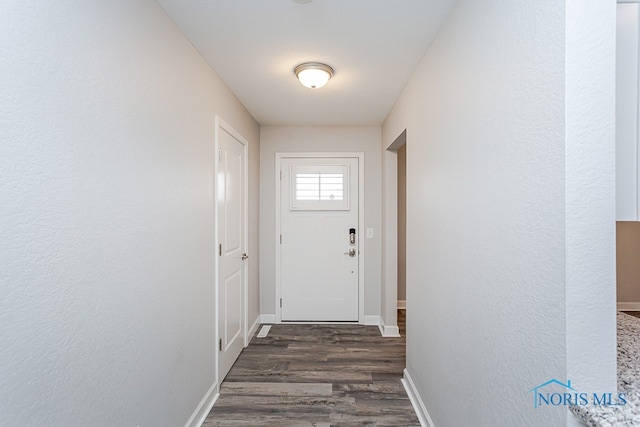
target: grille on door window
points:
(319, 187)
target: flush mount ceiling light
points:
(313, 75)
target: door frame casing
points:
(220, 124)
(360, 234)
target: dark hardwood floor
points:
(317, 375)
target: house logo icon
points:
(537, 394)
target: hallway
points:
(317, 375)
(112, 308)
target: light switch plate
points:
(369, 233)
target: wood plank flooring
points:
(317, 375)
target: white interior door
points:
(319, 257)
(231, 249)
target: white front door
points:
(231, 249)
(320, 233)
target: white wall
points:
(106, 219)
(493, 242)
(320, 139)
(590, 186)
(627, 72)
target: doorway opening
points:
(394, 249)
(402, 227)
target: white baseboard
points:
(416, 401)
(402, 304)
(253, 329)
(371, 320)
(629, 306)
(391, 332)
(388, 331)
(267, 318)
(203, 409)
(385, 331)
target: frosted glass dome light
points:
(313, 75)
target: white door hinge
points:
(280, 302)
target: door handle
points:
(351, 253)
(244, 256)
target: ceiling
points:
(254, 45)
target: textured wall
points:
(486, 209)
(590, 194)
(274, 139)
(106, 219)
